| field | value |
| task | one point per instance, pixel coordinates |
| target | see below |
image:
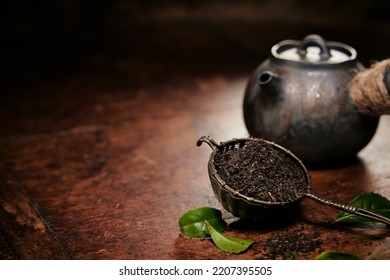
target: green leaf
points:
(375, 254)
(192, 223)
(336, 256)
(369, 201)
(227, 243)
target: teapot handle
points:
(370, 90)
(314, 40)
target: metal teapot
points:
(316, 99)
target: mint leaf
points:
(369, 201)
(336, 256)
(192, 223)
(227, 243)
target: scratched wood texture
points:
(107, 176)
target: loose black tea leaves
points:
(285, 244)
(258, 170)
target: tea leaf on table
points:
(369, 201)
(227, 243)
(336, 256)
(192, 223)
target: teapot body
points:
(307, 109)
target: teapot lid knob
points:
(314, 50)
(316, 41)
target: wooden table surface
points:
(102, 166)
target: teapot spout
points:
(370, 90)
(265, 78)
(269, 83)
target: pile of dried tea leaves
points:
(284, 245)
(260, 171)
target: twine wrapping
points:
(369, 92)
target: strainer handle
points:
(209, 141)
(349, 208)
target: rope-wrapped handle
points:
(349, 208)
(370, 90)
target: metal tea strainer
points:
(243, 206)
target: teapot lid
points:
(314, 50)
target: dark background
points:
(69, 36)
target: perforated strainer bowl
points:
(243, 206)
